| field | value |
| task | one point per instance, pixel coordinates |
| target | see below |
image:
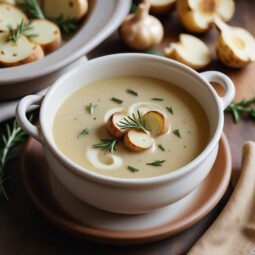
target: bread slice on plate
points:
(47, 34)
(16, 53)
(66, 9)
(10, 15)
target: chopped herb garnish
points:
(157, 99)
(91, 108)
(31, 8)
(170, 109)
(117, 100)
(106, 143)
(132, 169)
(133, 122)
(242, 108)
(177, 133)
(83, 132)
(132, 92)
(156, 163)
(161, 147)
(153, 52)
(67, 26)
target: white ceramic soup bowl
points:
(129, 196)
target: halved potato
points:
(112, 124)
(137, 140)
(234, 46)
(75, 9)
(161, 6)
(155, 122)
(47, 34)
(190, 51)
(198, 15)
(21, 52)
(10, 16)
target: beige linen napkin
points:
(233, 232)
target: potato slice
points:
(47, 33)
(10, 15)
(21, 52)
(234, 46)
(137, 140)
(112, 126)
(198, 15)
(156, 123)
(8, 1)
(162, 6)
(75, 9)
(190, 51)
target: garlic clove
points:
(190, 51)
(226, 9)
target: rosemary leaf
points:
(132, 92)
(67, 26)
(156, 163)
(154, 52)
(177, 133)
(117, 100)
(161, 147)
(170, 109)
(157, 99)
(132, 169)
(83, 133)
(106, 143)
(133, 8)
(31, 8)
(133, 122)
(91, 108)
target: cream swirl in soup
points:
(131, 127)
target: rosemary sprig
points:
(83, 133)
(156, 163)
(106, 143)
(133, 8)
(177, 133)
(14, 135)
(170, 109)
(133, 122)
(242, 108)
(160, 146)
(157, 99)
(91, 108)
(31, 8)
(22, 28)
(117, 100)
(132, 92)
(153, 52)
(133, 169)
(67, 26)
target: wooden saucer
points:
(69, 213)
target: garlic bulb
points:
(140, 30)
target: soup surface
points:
(80, 124)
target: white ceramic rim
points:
(139, 181)
(59, 59)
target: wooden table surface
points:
(23, 230)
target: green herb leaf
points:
(117, 100)
(132, 92)
(157, 99)
(91, 108)
(170, 109)
(31, 8)
(84, 132)
(241, 109)
(177, 133)
(154, 52)
(133, 169)
(67, 26)
(13, 136)
(133, 8)
(161, 147)
(133, 122)
(106, 143)
(22, 28)
(156, 163)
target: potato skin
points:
(113, 129)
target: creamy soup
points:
(80, 126)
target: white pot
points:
(129, 195)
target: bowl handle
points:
(22, 119)
(224, 81)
